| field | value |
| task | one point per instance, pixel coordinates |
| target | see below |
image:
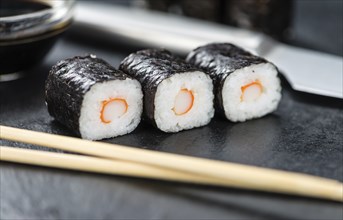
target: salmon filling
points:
(112, 109)
(251, 91)
(183, 102)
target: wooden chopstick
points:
(100, 165)
(235, 175)
(103, 166)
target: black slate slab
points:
(303, 135)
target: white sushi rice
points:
(202, 110)
(91, 126)
(241, 110)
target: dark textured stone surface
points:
(303, 135)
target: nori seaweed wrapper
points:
(219, 60)
(150, 67)
(68, 82)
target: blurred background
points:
(313, 24)
(25, 40)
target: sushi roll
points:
(92, 98)
(246, 86)
(177, 96)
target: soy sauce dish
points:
(28, 30)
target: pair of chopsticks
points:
(122, 160)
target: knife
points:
(306, 70)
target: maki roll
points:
(177, 95)
(93, 99)
(246, 86)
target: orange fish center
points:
(112, 108)
(183, 102)
(251, 91)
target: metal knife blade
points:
(306, 70)
(309, 71)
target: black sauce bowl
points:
(28, 30)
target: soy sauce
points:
(19, 7)
(21, 53)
